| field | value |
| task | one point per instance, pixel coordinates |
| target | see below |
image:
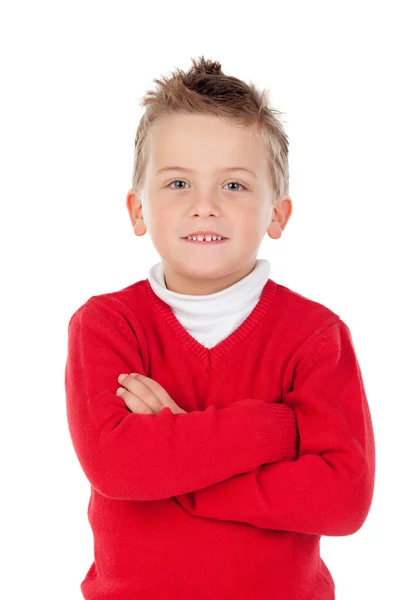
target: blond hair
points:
(205, 89)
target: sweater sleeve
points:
(328, 490)
(131, 456)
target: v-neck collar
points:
(210, 357)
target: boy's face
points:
(209, 199)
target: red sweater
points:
(229, 500)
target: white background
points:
(72, 74)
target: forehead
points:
(193, 140)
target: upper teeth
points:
(207, 238)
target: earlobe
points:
(139, 227)
(274, 230)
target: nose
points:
(204, 204)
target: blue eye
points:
(179, 180)
(236, 183)
(230, 182)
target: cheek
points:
(249, 225)
(163, 221)
(166, 229)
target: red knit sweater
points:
(229, 500)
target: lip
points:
(204, 232)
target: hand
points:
(145, 396)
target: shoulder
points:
(125, 306)
(307, 312)
(308, 323)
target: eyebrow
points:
(225, 169)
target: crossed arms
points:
(305, 465)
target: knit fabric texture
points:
(229, 500)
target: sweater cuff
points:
(279, 439)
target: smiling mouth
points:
(211, 243)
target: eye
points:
(236, 183)
(229, 183)
(179, 181)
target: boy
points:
(220, 417)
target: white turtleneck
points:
(213, 317)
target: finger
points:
(135, 404)
(139, 389)
(159, 392)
